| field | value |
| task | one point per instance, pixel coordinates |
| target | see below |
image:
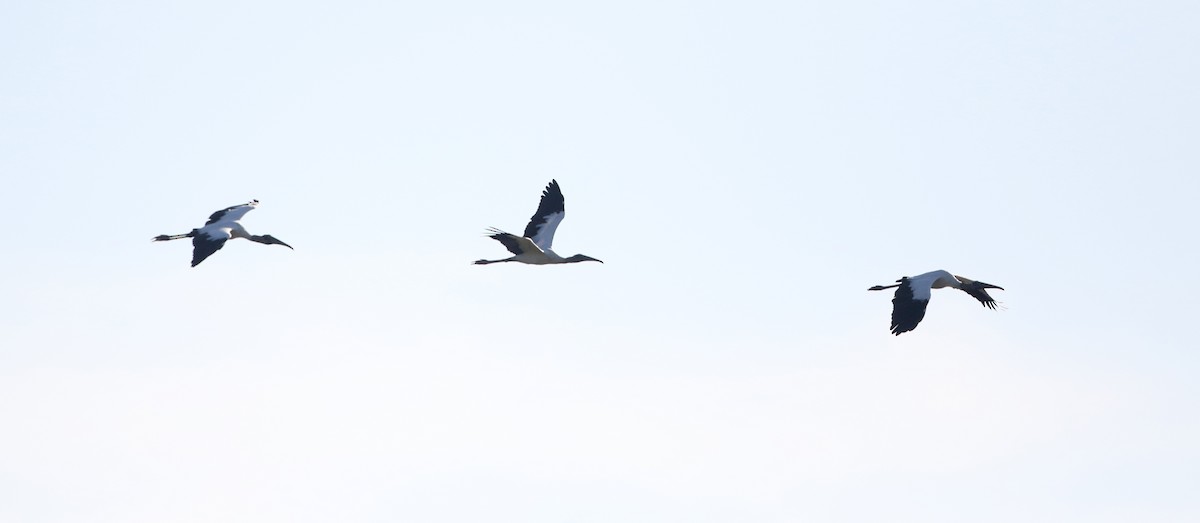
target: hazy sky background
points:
(745, 169)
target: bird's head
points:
(581, 258)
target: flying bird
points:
(534, 246)
(912, 296)
(221, 227)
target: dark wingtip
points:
(899, 329)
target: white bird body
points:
(218, 231)
(923, 283)
(531, 254)
(534, 247)
(221, 226)
(913, 294)
(538, 258)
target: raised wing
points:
(232, 214)
(550, 213)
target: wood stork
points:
(221, 226)
(534, 246)
(912, 296)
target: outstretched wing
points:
(550, 213)
(908, 310)
(978, 290)
(206, 242)
(515, 244)
(980, 294)
(232, 214)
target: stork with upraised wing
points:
(534, 246)
(222, 226)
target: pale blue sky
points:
(745, 169)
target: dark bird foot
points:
(161, 238)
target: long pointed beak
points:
(267, 238)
